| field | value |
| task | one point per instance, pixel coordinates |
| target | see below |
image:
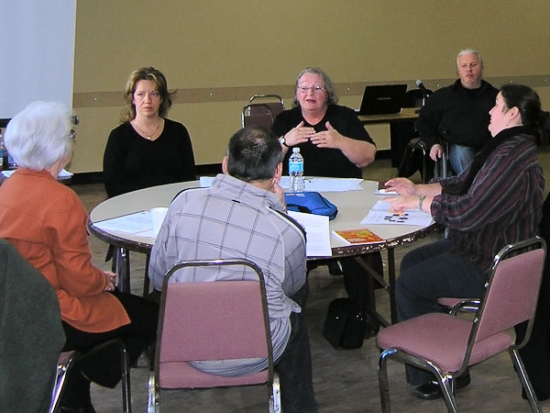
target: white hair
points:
(39, 135)
(469, 51)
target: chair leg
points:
(383, 380)
(444, 165)
(61, 374)
(125, 383)
(153, 395)
(123, 269)
(275, 402)
(525, 382)
(146, 284)
(446, 385)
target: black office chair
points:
(409, 152)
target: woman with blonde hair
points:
(147, 149)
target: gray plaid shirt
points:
(233, 219)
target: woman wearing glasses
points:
(331, 138)
(333, 143)
(46, 222)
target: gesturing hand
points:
(329, 138)
(299, 134)
(402, 186)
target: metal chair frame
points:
(273, 385)
(66, 362)
(262, 113)
(414, 145)
(445, 378)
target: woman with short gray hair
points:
(46, 222)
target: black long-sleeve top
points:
(131, 162)
(459, 115)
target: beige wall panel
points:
(91, 136)
(217, 54)
(210, 126)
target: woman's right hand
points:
(299, 134)
(402, 186)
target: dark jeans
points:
(428, 273)
(103, 367)
(294, 366)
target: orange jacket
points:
(46, 222)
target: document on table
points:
(139, 222)
(380, 214)
(317, 231)
(311, 184)
(62, 174)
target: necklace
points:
(148, 136)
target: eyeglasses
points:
(314, 89)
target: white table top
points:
(353, 206)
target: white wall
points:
(37, 41)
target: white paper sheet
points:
(132, 223)
(311, 184)
(384, 192)
(380, 215)
(317, 231)
(62, 174)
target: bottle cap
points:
(295, 150)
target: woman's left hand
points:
(111, 280)
(329, 138)
(402, 203)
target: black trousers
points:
(356, 278)
(536, 353)
(103, 367)
(294, 365)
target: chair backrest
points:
(513, 289)
(214, 320)
(257, 114)
(262, 110)
(275, 102)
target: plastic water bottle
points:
(296, 170)
(11, 162)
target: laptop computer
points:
(383, 99)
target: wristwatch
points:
(282, 141)
(421, 199)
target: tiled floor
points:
(344, 380)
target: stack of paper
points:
(380, 215)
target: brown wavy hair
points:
(147, 73)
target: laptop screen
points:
(383, 99)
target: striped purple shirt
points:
(502, 206)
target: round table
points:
(353, 206)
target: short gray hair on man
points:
(469, 51)
(40, 135)
(329, 86)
